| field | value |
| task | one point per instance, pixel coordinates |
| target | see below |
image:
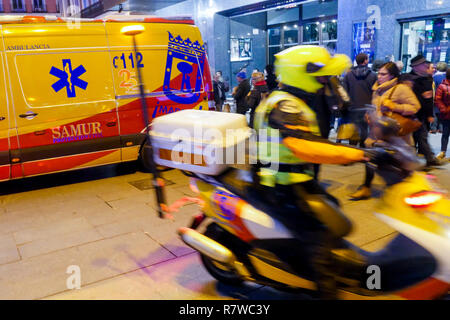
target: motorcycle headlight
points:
(423, 199)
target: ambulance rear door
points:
(63, 94)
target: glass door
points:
(311, 33)
(329, 35)
(275, 42)
(290, 35)
(282, 37)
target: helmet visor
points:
(334, 67)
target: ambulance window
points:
(59, 79)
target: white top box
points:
(200, 141)
(190, 119)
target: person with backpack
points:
(358, 83)
(442, 101)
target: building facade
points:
(36, 7)
(245, 34)
(402, 28)
(386, 30)
(74, 8)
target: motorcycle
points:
(246, 239)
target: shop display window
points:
(290, 34)
(427, 37)
(311, 33)
(274, 36)
(329, 30)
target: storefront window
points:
(290, 34)
(275, 45)
(329, 30)
(311, 32)
(274, 36)
(282, 37)
(427, 37)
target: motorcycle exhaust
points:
(206, 246)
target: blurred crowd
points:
(418, 100)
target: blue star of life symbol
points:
(68, 78)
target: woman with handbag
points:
(442, 101)
(395, 100)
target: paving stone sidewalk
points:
(109, 229)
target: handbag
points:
(347, 131)
(407, 124)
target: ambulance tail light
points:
(423, 199)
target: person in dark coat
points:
(438, 78)
(376, 65)
(423, 88)
(219, 91)
(240, 92)
(443, 103)
(271, 78)
(332, 96)
(358, 83)
(258, 93)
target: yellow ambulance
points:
(69, 94)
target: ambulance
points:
(70, 98)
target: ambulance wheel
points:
(145, 164)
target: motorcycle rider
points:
(292, 142)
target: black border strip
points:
(4, 158)
(66, 149)
(72, 148)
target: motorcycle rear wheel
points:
(219, 271)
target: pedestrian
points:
(438, 77)
(400, 65)
(442, 101)
(258, 92)
(332, 96)
(421, 75)
(240, 92)
(219, 91)
(358, 82)
(271, 78)
(388, 96)
(376, 65)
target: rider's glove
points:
(377, 155)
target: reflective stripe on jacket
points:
(292, 138)
(270, 143)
